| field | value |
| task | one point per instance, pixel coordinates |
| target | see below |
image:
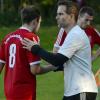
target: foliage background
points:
(9, 10)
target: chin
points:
(59, 26)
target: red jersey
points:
(19, 83)
(94, 36)
(92, 33)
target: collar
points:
(22, 27)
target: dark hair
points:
(29, 13)
(87, 10)
(71, 7)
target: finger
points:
(24, 42)
(30, 41)
(26, 48)
(34, 40)
(26, 39)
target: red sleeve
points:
(97, 37)
(2, 53)
(33, 59)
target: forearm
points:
(97, 73)
(97, 54)
(55, 59)
(1, 67)
(55, 49)
(46, 69)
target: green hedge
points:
(9, 19)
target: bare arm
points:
(37, 69)
(55, 49)
(97, 54)
(1, 67)
(97, 73)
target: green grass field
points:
(50, 85)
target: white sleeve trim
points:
(59, 37)
(55, 45)
(2, 61)
(97, 32)
(33, 63)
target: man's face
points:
(85, 20)
(63, 19)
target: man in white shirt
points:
(74, 54)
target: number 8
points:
(12, 52)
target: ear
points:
(34, 21)
(79, 16)
(72, 15)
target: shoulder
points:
(6, 37)
(77, 31)
(78, 34)
(91, 30)
(32, 36)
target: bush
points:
(9, 18)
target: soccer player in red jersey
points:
(20, 65)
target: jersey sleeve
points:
(2, 53)
(97, 37)
(59, 38)
(33, 59)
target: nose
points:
(56, 17)
(88, 23)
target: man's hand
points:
(27, 43)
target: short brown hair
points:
(71, 7)
(29, 13)
(87, 10)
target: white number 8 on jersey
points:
(12, 52)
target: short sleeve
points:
(59, 38)
(33, 59)
(2, 53)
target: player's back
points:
(18, 78)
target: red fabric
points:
(93, 36)
(91, 32)
(63, 38)
(19, 83)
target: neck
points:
(79, 23)
(68, 28)
(28, 27)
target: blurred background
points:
(9, 10)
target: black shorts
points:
(82, 96)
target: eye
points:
(60, 14)
(88, 20)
